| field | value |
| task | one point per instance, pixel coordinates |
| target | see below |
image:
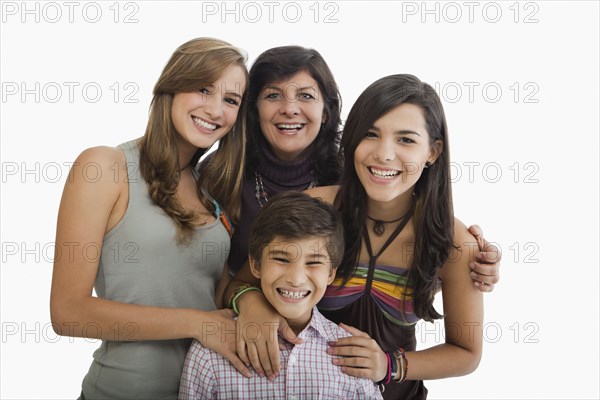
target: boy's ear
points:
(331, 276)
(254, 267)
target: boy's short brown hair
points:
(295, 215)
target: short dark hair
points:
(296, 215)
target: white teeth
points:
(289, 126)
(293, 294)
(204, 124)
(384, 173)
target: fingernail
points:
(336, 361)
(332, 343)
(476, 284)
(329, 351)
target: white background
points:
(541, 334)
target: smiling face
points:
(203, 117)
(294, 274)
(391, 157)
(290, 114)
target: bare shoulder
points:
(101, 155)
(97, 177)
(102, 165)
(464, 253)
(462, 236)
(325, 193)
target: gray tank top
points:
(141, 263)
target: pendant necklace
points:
(262, 195)
(379, 227)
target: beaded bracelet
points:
(238, 292)
(400, 355)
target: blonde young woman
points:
(159, 231)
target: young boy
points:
(296, 244)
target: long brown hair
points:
(433, 218)
(195, 64)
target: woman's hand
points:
(257, 328)
(217, 332)
(485, 270)
(359, 355)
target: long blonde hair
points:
(193, 65)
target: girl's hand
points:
(360, 355)
(257, 328)
(485, 270)
(216, 332)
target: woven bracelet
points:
(237, 295)
(235, 292)
(403, 361)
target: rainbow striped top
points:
(388, 291)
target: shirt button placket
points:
(291, 362)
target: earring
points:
(427, 164)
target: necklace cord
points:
(372, 259)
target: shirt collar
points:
(319, 325)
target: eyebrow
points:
(228, 92)
(312, 256)
(273, 253)
(400, 132)
(317, 256)
(271, 86)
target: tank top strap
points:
(220, 214)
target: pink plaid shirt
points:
(307, 372)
